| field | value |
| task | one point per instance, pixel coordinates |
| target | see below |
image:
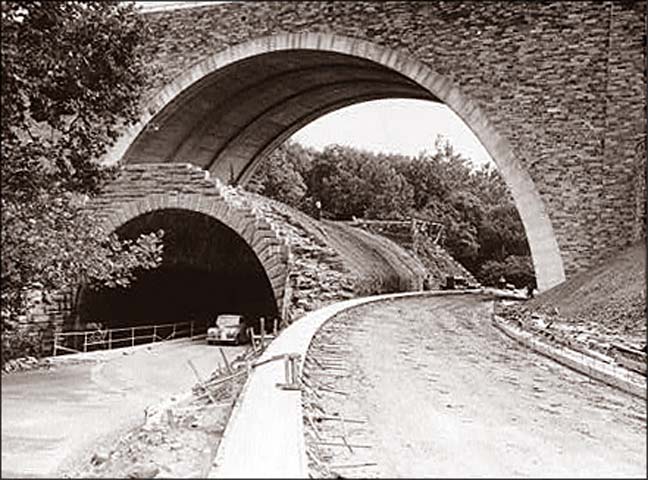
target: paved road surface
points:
(445, 394)
(49, 418)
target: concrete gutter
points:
(264, 437)
(613, 375)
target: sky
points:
(402, 126)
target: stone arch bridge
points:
(555, 91)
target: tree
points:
(279, 176)
(515, 269)
(72, 74)
(481, 223)
(389, 193)
(336, 180)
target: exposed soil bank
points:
(598, 307)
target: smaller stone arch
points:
(138, 191)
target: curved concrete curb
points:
(612, 375)
(264, 437)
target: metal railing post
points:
(85, 341)
(154, 333)
(262, 333)
(132, 336)
(109, 339)
(174, 331)
(55, 342)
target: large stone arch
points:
(419, 81)
(141, 189)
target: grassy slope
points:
(389, 266)
(612, 293)
(379, 264)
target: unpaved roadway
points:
(445, 394)
(51, 418)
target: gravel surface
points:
(434, 390)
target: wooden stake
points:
(227, 364)
(355, 465)
(200, 382)
(312, 424)
(251, 335)
(213, 383)
(326, 389)
(170, 419)
(344, 434)
(348, 420)
(345, 445)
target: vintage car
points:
(228, 328)
(459, 283)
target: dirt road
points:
(444, 394)
(51, 418)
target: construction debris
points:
(335, 438)
(178, 438)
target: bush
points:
(18, 343)
(516, 269)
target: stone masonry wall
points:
(563, 82)
(47, 314)
(143, 188)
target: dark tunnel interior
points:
(207, 269)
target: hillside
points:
(333, 261)
(437, 261)
(384, 265)
(603, 305)
(440, 264)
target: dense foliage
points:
(482, 228)
(72, 74)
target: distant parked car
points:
(228, 328)
(455, 282)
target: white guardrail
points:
(90, 340)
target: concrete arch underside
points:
(146, 193)
(233, 108)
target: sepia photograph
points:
(323, 239)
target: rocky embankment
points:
(332, 261)
(601, 311)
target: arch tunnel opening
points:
(207, 269)
(228, 112)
